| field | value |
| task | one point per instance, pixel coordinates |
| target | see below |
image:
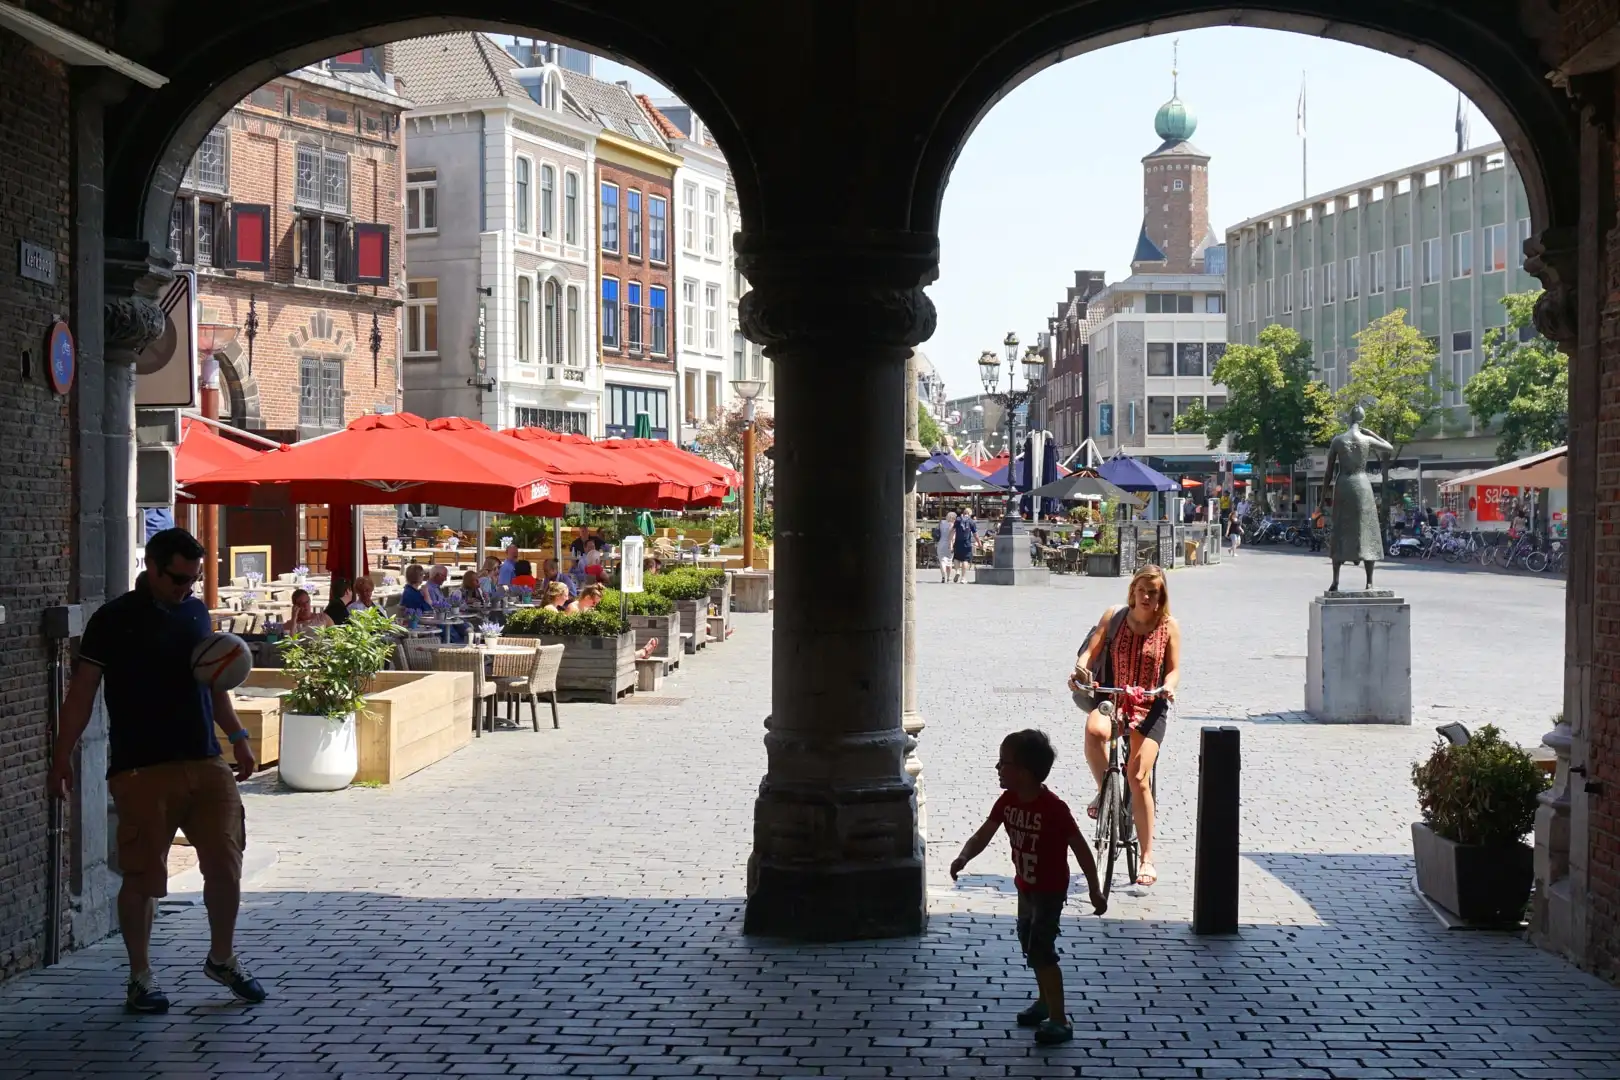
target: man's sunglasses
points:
(182, 580)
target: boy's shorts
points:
(1038, 914)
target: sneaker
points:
(233, 975)
(1032, 1016)
(1050, 1033)
(143, 996)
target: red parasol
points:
(392, 459)
(596, 476)
(203, 450)
(707, 482)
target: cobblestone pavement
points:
(568, 902)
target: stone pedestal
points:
(751, 590)
(1359, 665)
(1552, 923)
(1012, 565)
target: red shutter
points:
(250, 237)
(371, 254)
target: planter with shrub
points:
(330, 669)
(1478, 802)
(599, 654)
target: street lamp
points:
(748, 390)
(990, 374)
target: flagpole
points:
(1304, 143)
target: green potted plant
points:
(1102, 558)
(1478, 801)
(330, 668)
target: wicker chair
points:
(541, 678)
(472, 662)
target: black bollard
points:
(1215, 874)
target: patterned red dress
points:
(1139, 661)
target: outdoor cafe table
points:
(500, 661)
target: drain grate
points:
(654, 702)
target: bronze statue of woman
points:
(1356, 535)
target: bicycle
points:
(1116, 828)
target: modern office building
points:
(1442, 240)
(1155, 337)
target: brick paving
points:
(568, 902)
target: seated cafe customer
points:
(524, 578)
(589, 597)
(549, 568)
(337, 608)
(364, 586)
(414, 597)
(438, 579)
(472, 590)
(557, 598)
(304, 616)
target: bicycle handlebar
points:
(1146, 691)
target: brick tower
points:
(1175, 196)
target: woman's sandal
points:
(1147, 875)
(1094, 807)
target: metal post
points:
(748, 485)
(210, 513)
(1215, 873)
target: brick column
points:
(837, 855)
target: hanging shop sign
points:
(61, 358)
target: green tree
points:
(929, 432)
(1522, 384)
(1274, 410)
(1394, 378)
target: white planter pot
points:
(318, 753)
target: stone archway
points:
(241, 388)
(839, 238)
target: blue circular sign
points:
(63, 358)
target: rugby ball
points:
(221, 661)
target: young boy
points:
(1041, 828)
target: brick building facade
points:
(1065, 389)
(37, 536)
(321, 152)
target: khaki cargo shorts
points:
(154, 801)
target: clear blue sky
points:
(1051, 181)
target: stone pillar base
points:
(827, 903)
(1012, 565)
(1359, 662)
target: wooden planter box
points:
(1485, 885)
(694, 616)
(595, 668)
(764, 556)
(411, 719)
(1102, 565)
(667, 629)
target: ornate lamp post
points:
(748, 390)
(990, 374)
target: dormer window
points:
(551, 91)
(357, 60)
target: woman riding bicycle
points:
(1138, 645)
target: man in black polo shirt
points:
(165, 770)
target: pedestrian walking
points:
(944, 541)
(1042, 832)
(962, 545)
(165, 770)
(1318, 527)
(1234, 532)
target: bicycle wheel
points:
(1535, 561)
(1107, 841)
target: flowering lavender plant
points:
(489, 629)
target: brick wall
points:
(641, 270)
(1603, 868)
(299, 318)
(36, 448)
(1176, 220)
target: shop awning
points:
(392, 459)
(1548, 469)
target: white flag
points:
(1299, 113)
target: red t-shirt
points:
(1040, 831)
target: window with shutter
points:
(371, 254)
(249, 235)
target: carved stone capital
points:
(830, 288)
(131, 324)
(1550, 258)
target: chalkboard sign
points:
(250, 560)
